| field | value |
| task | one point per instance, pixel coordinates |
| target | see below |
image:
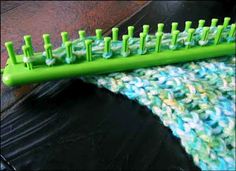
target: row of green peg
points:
(159, 34)
(115, 32)
(29, 52)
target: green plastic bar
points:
(232, 30)
(146, 29)
(174, 26)
(46, 39)
(131, 31)
(214, 22)
(28, 42)
(107, 44)
(142, 42)
(174, 37)
(125, 39)
(205, 33)
(160, 27)
(190, 37)
(11, 52)
(226, 21)
(12, 77)
(201, 23)
(48, 49)
(65, 37)
(82, 34)
(218, 34)
(98, 34)
(88, 45)
(115, 31)
(26, 52)
(187, 25)
(15, 72)
(68, 45)
(158, 41)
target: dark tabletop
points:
(70, 124)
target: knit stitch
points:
(195, 100)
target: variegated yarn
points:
(195, 100)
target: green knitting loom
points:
(98, 55)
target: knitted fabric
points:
(195, 100)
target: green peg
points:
(174, 26)
(218, 34)
(131, 31)
(226, 21)
(187, 25)
(190, 37)
(174, 37)
(11, 52)
(115, 31)
(214, 22)
(107, 44)
(82, 34)
(98, 34)
(158, 41)
(160, 27)
(232, 30)
(68, 45)
(88, 45)
(46, 39)
(142, 43)
(125, 39)
(107, 48)
(205, 33)
(48, 49)
(190, 34)
(28, 42)
(201, 23)
(146, 29)
(26, 51)
(65, 37)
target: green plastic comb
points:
(98, 54)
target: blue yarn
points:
(195, 100)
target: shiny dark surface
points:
(70, 124)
